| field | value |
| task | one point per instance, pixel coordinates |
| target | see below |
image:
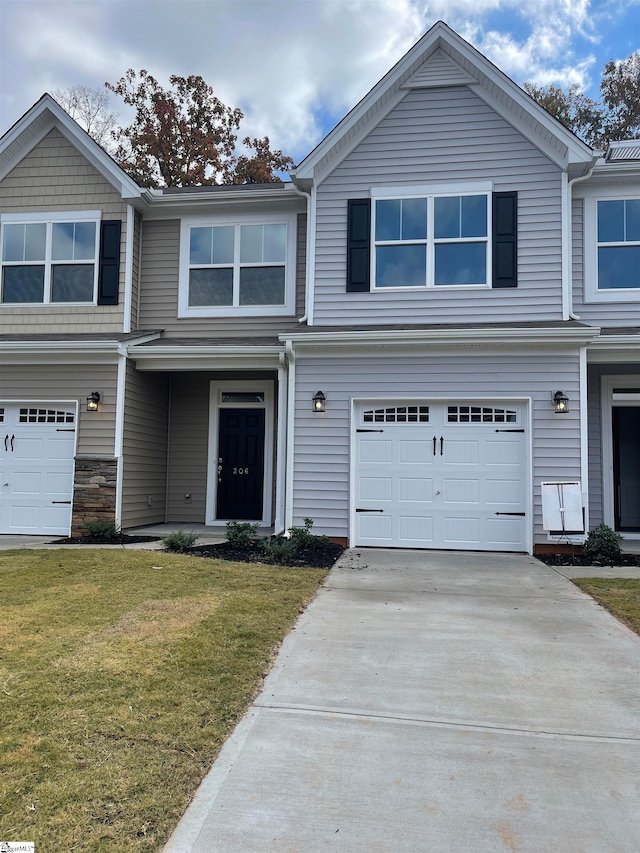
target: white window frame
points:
(236, 310)
(591, 245)
(431, 192)
(48, 218)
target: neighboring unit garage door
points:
(37, 446)
(441, 475)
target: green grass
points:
(620, 596)
(121, 675)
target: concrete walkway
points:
(438, 703)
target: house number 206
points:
(240, 470)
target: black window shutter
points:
(358, 245)
(109, 270)
(505, 239)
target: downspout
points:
(567, 248)
(291, 404)
(310, 254)
(281, 445)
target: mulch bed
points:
(118, 539)
(579, 560)
(321, 556)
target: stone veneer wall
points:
(94, 491)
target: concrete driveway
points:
(435, 702)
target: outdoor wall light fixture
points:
(561, 403)
(92, 401)
(319, 401)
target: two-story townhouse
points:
(440, 314)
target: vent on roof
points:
(438, 70)
(627, 150)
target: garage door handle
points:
(12, 439)
(441, 445)
(434, 445)
(6, 439)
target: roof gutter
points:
(439, 337)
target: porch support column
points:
(584, 437)
(281, 446)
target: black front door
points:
(240, 464)
(626, 467)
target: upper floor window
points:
(51, 258)
(612, 249)
(431, 241)
(618, 243)
(240, 267)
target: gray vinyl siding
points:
(54, 176)
(321, 468)
(159, 289)
(144, 454)
(39, 382)
(188, 450)
(189, 437)
(605, 314)
(444, 135)
(595, 373)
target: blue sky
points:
(294, 67)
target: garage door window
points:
(480, 415)
(45, 416)
(397, 415)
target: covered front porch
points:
(204, 437)
(613, 390)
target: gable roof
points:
(443, 58)
(45, 115)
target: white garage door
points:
(441, 475)
(37, 447)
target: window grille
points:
(45, 416)
(397, 415)
(480, 415)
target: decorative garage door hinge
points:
(369, 430)
(369, 510)
(509, 430)
(511, 513)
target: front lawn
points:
(620, 596)
(121, 675)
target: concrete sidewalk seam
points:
(442, 723)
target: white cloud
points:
(293, 66)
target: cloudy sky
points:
(294, 66)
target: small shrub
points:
(303, 538)
(242, 533)
(179, 543)
(281, 551)
(603, 545)
(101, 528)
